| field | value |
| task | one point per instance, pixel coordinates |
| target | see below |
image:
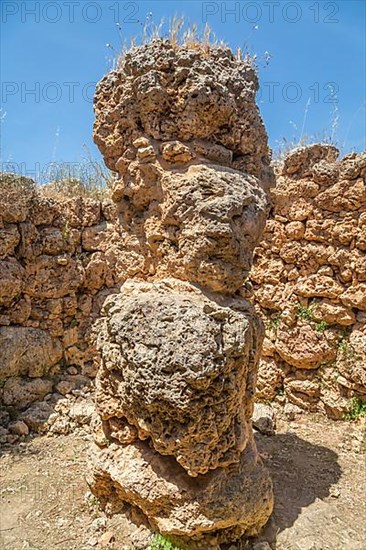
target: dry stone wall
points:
(309, 282)
(59, 260)
(55, 272)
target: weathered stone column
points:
(179, 344)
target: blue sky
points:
(53, 53)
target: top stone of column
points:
(169, 92)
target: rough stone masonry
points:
(309, 280)
(179, 343)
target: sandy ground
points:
(318, 468)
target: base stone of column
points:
(226, 502)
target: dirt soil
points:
(318, 469)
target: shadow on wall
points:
(58, 414)
(301, 473)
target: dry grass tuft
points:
(21, 191)
(285, 146)
(87, 179)
(68, 188)
(177, 31)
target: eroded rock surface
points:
(165, 93)
(180, 367)
(230, 501)
(199, 223)
(179, 344)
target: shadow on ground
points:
(51, 472)
(301, 473)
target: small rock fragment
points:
(264, 418)
(261, 546)
(106, 539)
(19, 427)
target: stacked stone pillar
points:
(179, 343)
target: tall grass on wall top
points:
(83, 180)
